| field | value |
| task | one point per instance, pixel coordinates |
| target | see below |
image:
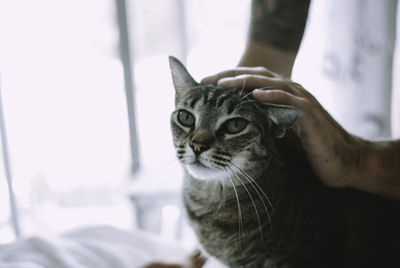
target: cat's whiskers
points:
(222, 157)
(268, 163)
(222, 196)
(245, 96)
(183, 155)
(239, 210)
(222, 154)
(172, 175)
(188, 181)
(254, 184)
(171, 159)
(251, 180)
(243, 102)
(216, 163)
(243, 87)
(252, 201)
(147, 178)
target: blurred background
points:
(86, 95)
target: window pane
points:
(6, 232)
(213, 40)
(65, 110)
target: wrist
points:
(378, 171)
(257, 54)
(365, 166)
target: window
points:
(65, 112)
(65, 107)
(196, 33)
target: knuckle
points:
(267, 72)
(296, 85)
(281, 84)
(226, 73)
(260, 69)
(236, 72)
(305, 104)
(245, 77)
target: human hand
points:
(334, 154)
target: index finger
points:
(213, 79)
(279, 97)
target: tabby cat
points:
(252, 197)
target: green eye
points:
(235, 125)
(185, 118)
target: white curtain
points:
(346, 61)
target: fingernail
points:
(257, 91)
(208, 80)
(224, 82)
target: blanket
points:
(97, 247)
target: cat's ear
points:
(181, 78)
(282, 117)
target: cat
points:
(250, 193)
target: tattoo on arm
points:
(279, 23)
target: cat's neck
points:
(209, 196)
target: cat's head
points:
(220, 132)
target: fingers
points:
(279, 97)
(251, 81)
(213, 79)
(269, 87)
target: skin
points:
(275, 33)
(338, 158)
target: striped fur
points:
(252, 198)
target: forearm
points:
(379, 169)
(275, 34)
(257, 54)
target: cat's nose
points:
(201, 141)
(198, 148)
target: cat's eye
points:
(185, 118)
(235, 125)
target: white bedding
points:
(97, 247)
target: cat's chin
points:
(201, 172)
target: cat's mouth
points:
(202, 163)
(203, 169)
(211, 164)
(198, 163)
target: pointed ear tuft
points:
(181, 78)
(283, 117)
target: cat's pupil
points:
(185, 118)
(235, 125)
